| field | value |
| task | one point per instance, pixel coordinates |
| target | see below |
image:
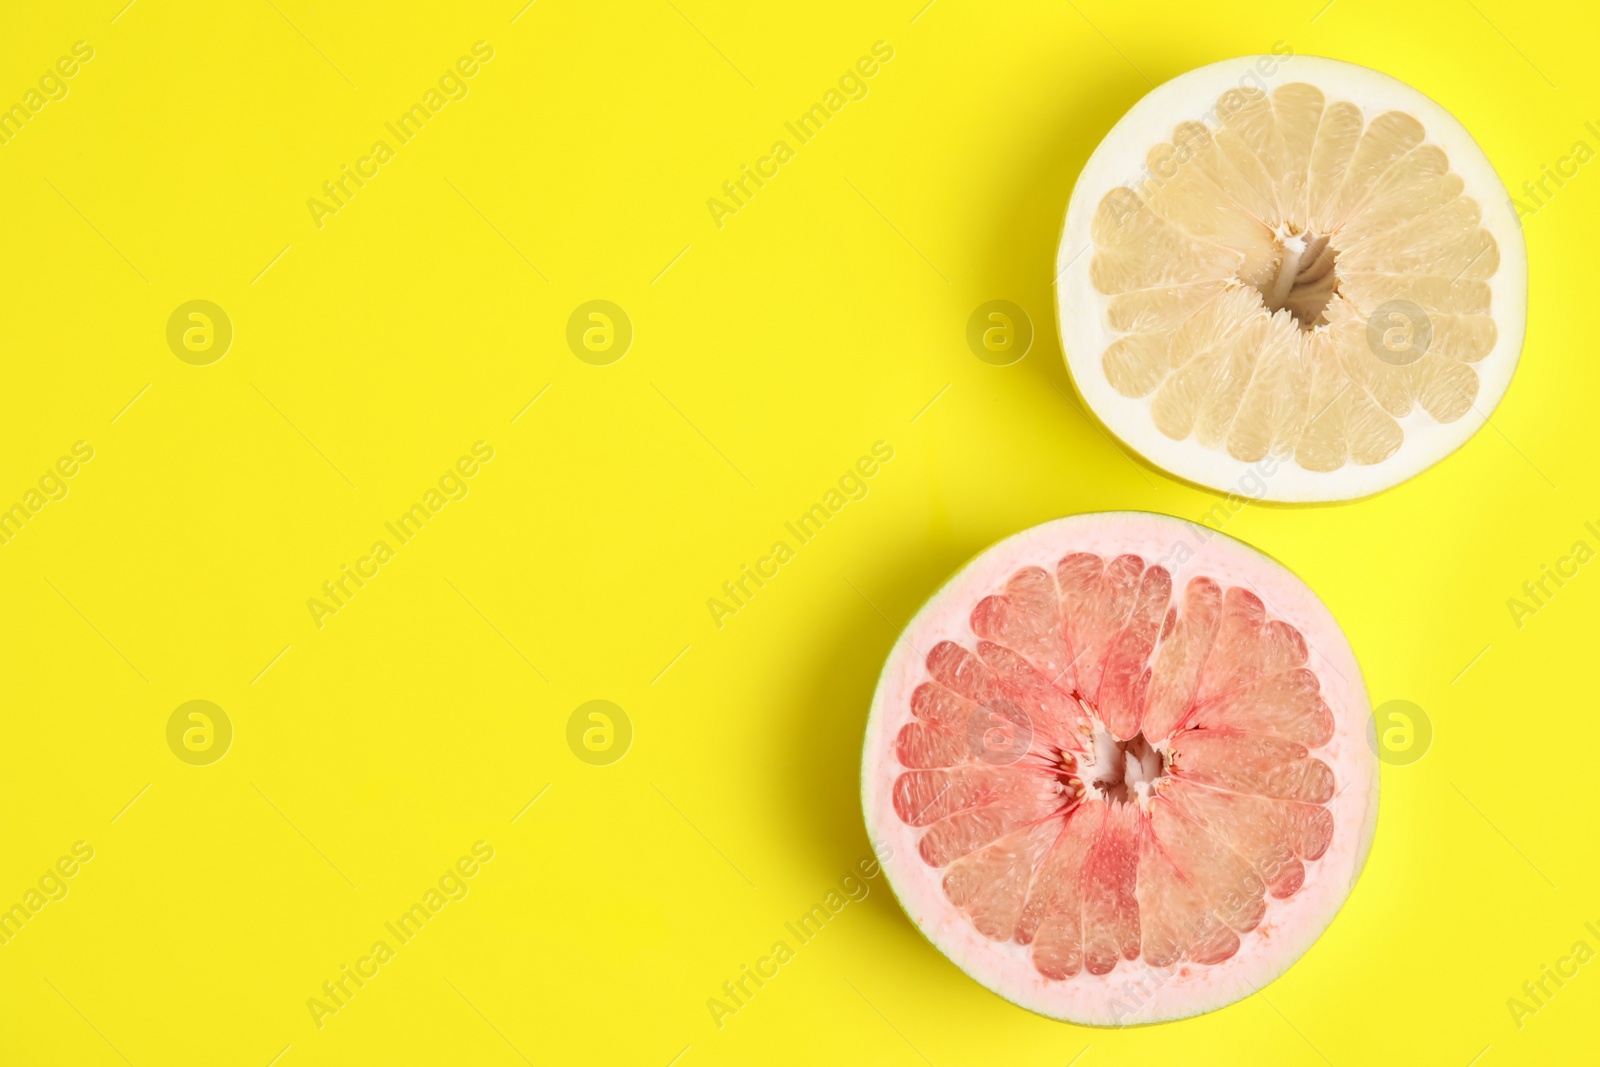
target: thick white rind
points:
(1291, 926)
(1120, 159)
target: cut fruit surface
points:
(1292, 273)
(1119, 769)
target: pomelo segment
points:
(1292, 271)
(1119, 769)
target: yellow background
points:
(768, 355)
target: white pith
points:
(1133, 993)
(1120, 161)
(1111, 762)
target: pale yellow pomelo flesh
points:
(1120, 769)
(1311, 279)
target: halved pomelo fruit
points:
(1292, 271)
(1119, 769)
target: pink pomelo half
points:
(1120, 769)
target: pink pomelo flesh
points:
(1119, 769)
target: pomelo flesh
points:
(1119, 769)
(1294, 271)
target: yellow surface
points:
(372, 753)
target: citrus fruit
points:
(1120, 769)
(1292, 272)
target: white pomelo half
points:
(1291, 271)
(1120, 769)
